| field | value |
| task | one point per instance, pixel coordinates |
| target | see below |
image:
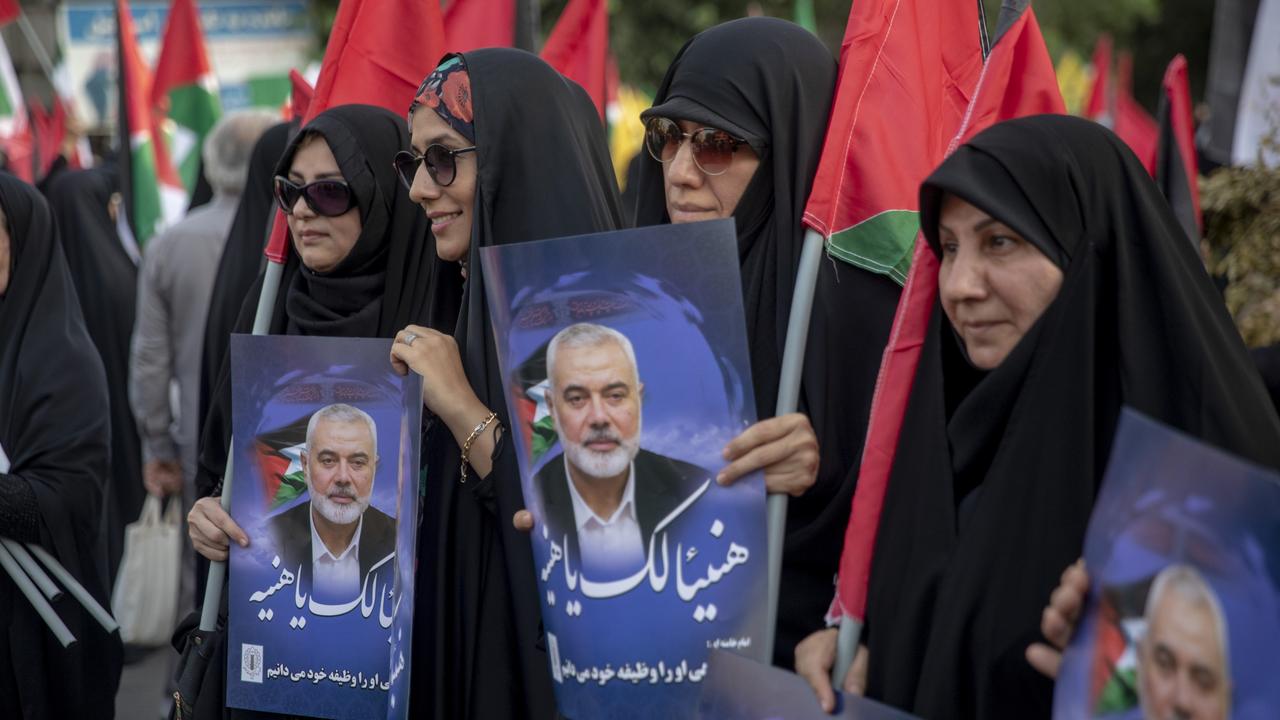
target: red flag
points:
(9, 11)
(908, 54)
(46, 146)
(300, 96)
(1017, 80)
(578, 47)
(1134, 124)
(1099, 106)
(471, 24)
(1176, 171)
(369, 61)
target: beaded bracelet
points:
(466, 446)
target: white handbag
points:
(145, 598)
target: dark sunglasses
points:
(329, 198)
(712, 149)
(442, 164)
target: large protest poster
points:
(326, 485)
(1183, 614)
(626, 365)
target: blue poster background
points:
(283, 656)
(675, 292)
(1168, 498)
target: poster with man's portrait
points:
(325, 456)
(1183, 614)
(627, 373)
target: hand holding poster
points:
(1183, 614)
(628, 373)
(320, 603)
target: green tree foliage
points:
(1242, 221)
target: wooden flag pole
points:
(788, 402)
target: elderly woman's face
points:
(694, 195)
(5, 260)
(449, 207)
(322, 242)
(994, 284)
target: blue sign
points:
(625, 355)
(326, 451)
(97, 23)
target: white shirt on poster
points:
(335, 578)
(612, 544)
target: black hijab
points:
(54, 429)
(106, 281)
(389, 279)
(242, 257)
(543, 172)
(995, 473)
(771, 82)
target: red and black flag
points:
(1176, 171)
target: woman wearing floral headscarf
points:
(504, 149)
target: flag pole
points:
(788, 402)
(218, 569)
(846, 648)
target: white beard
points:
(336, 513)
(607, 464)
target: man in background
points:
(174, 285)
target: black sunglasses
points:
(713, 149)
(442, 164)
(329, 198)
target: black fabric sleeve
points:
(19, 510)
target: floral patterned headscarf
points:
(447, 91)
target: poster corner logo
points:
(250, 663)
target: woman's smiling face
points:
(449, 207)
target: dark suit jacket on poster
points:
(662, 483)
(292, 532)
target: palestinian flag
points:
(184, 94)
(278, 455)
(15, 126)
(907, 71)
(1176, 172)
(142, 180)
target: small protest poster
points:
(1183, 614)
(325, 452)
(625, 359)
(742, 689)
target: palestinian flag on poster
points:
(531, 400)
(184, 94)
(278, 455)
(15, 126)
(897, 54)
